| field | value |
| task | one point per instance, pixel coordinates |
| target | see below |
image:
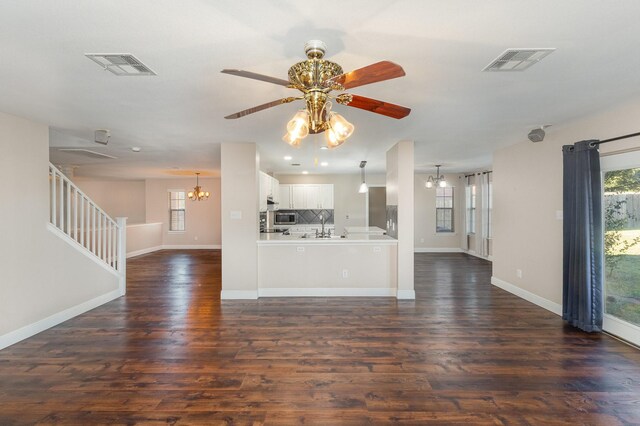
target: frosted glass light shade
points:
(332, 139)
(363, 188)
(298, 127)
(442, 184)
(291, 140)
(342, 128)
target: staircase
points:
(86, 225)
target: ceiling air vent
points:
(120, 63)
(518, 59)
(87, 153)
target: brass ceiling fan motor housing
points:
(310, 77)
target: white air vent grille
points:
(88, 153)
(518, 59)
(120, 63)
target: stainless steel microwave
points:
(283, 218)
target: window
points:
(444, 209)
(176, 210)
(471, 209)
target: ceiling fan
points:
(316, 78)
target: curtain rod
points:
(617, 139)
(479, 173)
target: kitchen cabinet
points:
(269, 187)
(285, 197)
(306, 196)
(326, 196)
(298, 197)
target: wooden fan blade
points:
(373, 73)
(255, 76)
(260, 108)
(379, 107)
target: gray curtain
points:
(582, 303)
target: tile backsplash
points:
(312, 216)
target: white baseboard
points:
(191, 247)
(55, 319)
(528, 296)
(437, 250)
(406, 294)
(327, 292)
(173, 247)
(143, 251)
(238, 295)
(479, 256)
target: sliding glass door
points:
(621, 203)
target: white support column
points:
(122, 253)
(400, 194)
(239, 211)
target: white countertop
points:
(266, 239)
(364, 229)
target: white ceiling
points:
(459, 114)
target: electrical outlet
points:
(300, 249)
(422, 240)
(195, 238)
(345, 273)
(347, 217)
(377, 249)
(519, 273)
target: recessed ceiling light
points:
(287, 157)
(324, 164)
(304, 172)
(136, 149)
(324, 147)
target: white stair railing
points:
(77, 216)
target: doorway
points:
(378, 206)
(621, 215)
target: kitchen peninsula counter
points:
(358, 265)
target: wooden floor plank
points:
(171, 352)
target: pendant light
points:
(198, 194)
(363, 186)
(436, 181)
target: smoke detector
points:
(537, 135)
(518, 59)
(120, 64)
(102, 136)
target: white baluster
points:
(68, 216)
(82, 209)
(93, 228)
(53, 197)
(75, 214)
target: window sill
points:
(445, 234)
(176, 232)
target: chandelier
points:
(198, 194)
(436, 181)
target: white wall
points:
(426, 237)
(527, 184)
(240, 230)
(124, 198)
(42, 274)
(202, 218)
(400, 192)
(350, 207)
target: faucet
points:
(322, 222)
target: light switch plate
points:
(236, 214)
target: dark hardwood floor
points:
(464, 352)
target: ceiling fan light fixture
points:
(333, 141)
(342, 128)
(298, 127)
(292, 140)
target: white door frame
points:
(614, 325)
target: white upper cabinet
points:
(269, 188)
(306, 196)
(326, 196)
(285, 197)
